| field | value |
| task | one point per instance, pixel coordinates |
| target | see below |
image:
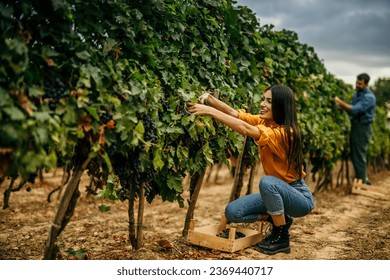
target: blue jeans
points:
(275, 197)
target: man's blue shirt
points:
(363, 107)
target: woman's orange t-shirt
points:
(272, 150)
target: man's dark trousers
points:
(360, 138)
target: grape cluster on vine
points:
(31, 177)
(194, 147)
(128, 166)
(111, 150)
(98, 178)
(131, 176)
(150, 129)
(55, 89)
(105, 117)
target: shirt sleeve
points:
(273, 138)
(270, 137)
(363, 104)
(249, 118)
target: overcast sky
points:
(350, 36)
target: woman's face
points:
(266, 106)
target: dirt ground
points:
(341, 227)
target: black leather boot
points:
(278, 241)
(265, 243)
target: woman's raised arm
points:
(218, 104)
(233, 122)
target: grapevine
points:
(103, 87)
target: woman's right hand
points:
(199, 109)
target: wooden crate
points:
(206, 236)
(368, 190)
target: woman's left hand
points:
(198, 109)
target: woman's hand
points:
(337, 100)
(199, 109)
(203, 98)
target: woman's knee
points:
(229, 213)
(266, 182)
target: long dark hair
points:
(284, 113)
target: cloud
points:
(349, 33)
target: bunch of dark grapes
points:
(194, 148)
(131, 176)
(54, 90)
(81, 152)
(151, 190)
(127, 166)
(150, 129)
(111, 150)
(225, 234)
(31, 177)
(165, 102)
(98, 179)
(105, 117)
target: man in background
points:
(361, 112)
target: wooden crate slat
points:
(367, 192)
(206, 236)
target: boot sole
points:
(263, 246)
(282, 250)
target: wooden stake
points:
(191, 208)
(238, 176)
(349, 185)
(251, 176)
(63, 206)
(140, 217)
(131, 215)
(7, 193)
(222, 224)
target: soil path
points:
(341, 227)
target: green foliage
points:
(79, 254)
(110, 80)
(379, 145)
(381, 88)
(289, 62)
(104, 208)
